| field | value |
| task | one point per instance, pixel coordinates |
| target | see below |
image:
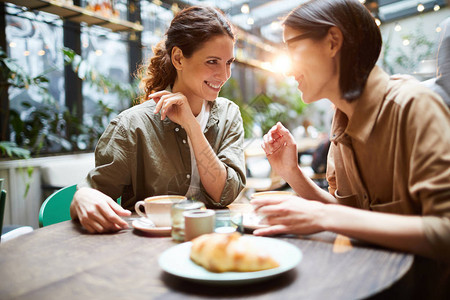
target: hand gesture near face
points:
(281, 149)
(175, 106)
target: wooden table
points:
(62, 261)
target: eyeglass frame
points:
(300, 37)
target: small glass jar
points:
(177, 217)
(228, 221)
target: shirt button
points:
(177, 129)
(188, 176)
(184, 141)
(365, 196)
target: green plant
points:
(405, 59)
(42, 127)
(13, 75)
(11, 149)
(102, 82)
(231, 91)
(282, 103)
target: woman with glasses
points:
(389, 161)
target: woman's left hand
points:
(292, 215)
(173, 105)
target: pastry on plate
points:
(219, 252)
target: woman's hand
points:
(292, 215)
(173, 105)
(97, 212)
(281, 150)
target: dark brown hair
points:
(361, 37)
(189, 30)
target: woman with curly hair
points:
(182, 139)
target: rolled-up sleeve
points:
(428, 143)
(231, 154)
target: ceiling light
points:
(397, 27)
(378, 22)
(438, 29)
(250, 21)
(420, 7)
(245, 9)
(41, 52)
(12, 45)
(405, 42)
(436, 7)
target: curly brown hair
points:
(189, 30)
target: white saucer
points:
(148, 228)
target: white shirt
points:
(202, 118)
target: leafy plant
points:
(13, 75)
(42, 127)
(282, 103)
(11, 149)
(406, 59)
(102, 82)
(231, 91)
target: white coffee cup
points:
(261, 218)
(157, 208)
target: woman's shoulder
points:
(224, 104)
(406, 90)
(138, 110)
(132, 116)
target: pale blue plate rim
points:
(176, 261)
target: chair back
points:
(2, 209)
(56, 208)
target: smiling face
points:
(314, 65)
(201, 76)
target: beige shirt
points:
(139, 155)
(393, 155)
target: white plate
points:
(176, 261)
(149, 228)
(251, 221)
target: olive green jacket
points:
(139, 155)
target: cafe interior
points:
(69, 67)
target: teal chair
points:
(56, 208)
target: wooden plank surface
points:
(62, 261)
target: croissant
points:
(220, 252)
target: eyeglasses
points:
(300, 37)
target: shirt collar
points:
(367, 109)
